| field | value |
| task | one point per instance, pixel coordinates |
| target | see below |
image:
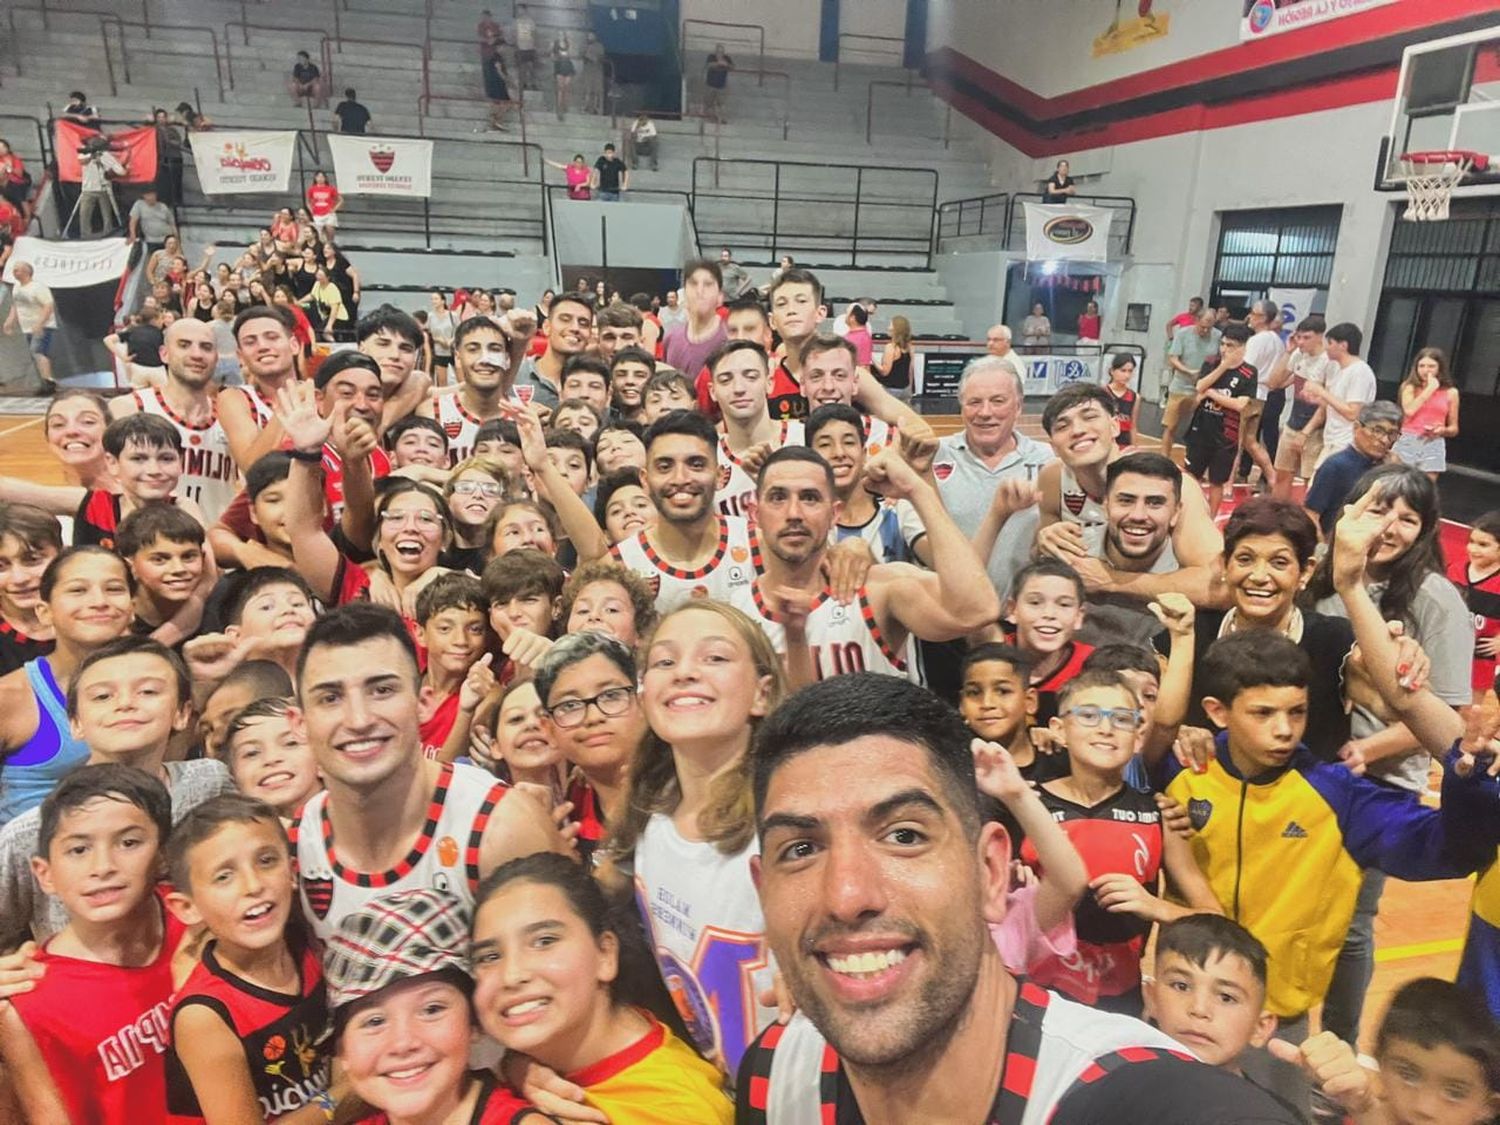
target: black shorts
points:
(441, 360)
(1211, 456)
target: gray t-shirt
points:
(543, 390)
(1441, 624)
(967, 485)
(155, 221)
(27, 913)
(1193, 350)
(1120, 618)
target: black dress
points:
(1051, 190)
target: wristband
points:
(307, 456)
(324, 1101)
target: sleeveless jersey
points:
(880, 435)
(732, 567)
(288, 1038)
(97, 519)
(444, 856)
(458, 423)
(16, 648)
(843, 638)
(792, 1076)
(735, 486)
(1122, 406)
(102, 1030)
(1077, 506)
(708, 935)
(209, 477)
(784, 395)
(30, 772)
(1483, 599)
(1119, 835)
(260, 406)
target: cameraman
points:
(96, 193)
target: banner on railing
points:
(70, 265)
(381, 165)
(1048, 374)
(1067, 232)
(231, 163)
(135, 149)
(936, 373)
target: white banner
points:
(1294, 305)
(381, 165)
(1067, 232)
(233, 162)
(70, 265)
(1047, 374)
(1272, 17)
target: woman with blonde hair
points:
(1429, 401)
(894, 368)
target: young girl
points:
(710, 677)
(523, 741)
(30, 539)
(1126, 403)
(1477, 576)
(1429, 400)
(284, 231)
(87, 597)
(549, 983)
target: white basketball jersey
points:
(209, 476)
(735, 486)
(259, 406)
(731, 568)
(458, 423)
(445, 856)
(880, 435)
(708, 936)
(1077, 506)
(843, 638)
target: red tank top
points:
(97, 519)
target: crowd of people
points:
(611, 711)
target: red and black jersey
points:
(498, 1105)
(98, 519)
(1123, 406)
(1074, 654)
(1119, 835)
(785, 394)
(288, 1038)
(1483, 599)
(588, 814)
(16, 648)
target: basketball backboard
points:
(1447, 99)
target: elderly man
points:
(997, 343)
(1191, 348)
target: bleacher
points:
(486, 222)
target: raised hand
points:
(1175, 612)
(297, 411)
(1354, 539)
(996, 772)
(888, 474)
(478, 684)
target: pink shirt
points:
(864, 346)
(1019, 937)
(578, 182)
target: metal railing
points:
(16, 53)
(1121, 203)
(424, 105)
(41, 6)
(243, 21)
(325, 55)
(908, 86)
(999, 217)
(417, 47)
(122, 24)
(42, 156)
(863, 214)
(843, 35)
(760, 40)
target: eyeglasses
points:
(1383, 433)
(611, 702)
(1120, 718)
(424, 520)
(477, 488)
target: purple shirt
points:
(689, 356)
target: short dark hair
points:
(112, 781)
(844, 708)
(34, 527)
(827, 415)
(789, 453)
(734, 347)
(265, 678)
(1236, 331)
(997, 652)
(571, 439)
(1265, 515)
(1145, 464)
(581, 299)
(340, 362)
(203, 823)
(388, 318)
(268, 469)
(586, 363)
(454, 590)
(52, 575)
(820, 342)
(414, 422)
(1122, 656)
(1437, 1013)
(1047, 567)
(707, 265)
(1347, 334)
(354, 624)
(502, 430)
(1076, 394)
(156, 521)
(469, 325)
(1249, 659)
(611, 483)
(1489, 523)
(748, 302)
(149, 430)
(520, 572)
(574, 648)
(1197, 937)
(617, 314)
(253, 581)
(668, 378)
(1313, 322)
(633, 354)
(133, 648)
(277, 313)
(688, 422)
(858, 314)
(1096, 678)
(796, 276)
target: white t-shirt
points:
(525, 34)
(1262, 351)
(1352, 384)
(30, 301)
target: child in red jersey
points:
(1047, 606)
(1118, 831)
(1476, 573)
(88, 1042)
(451, 612)
(250, 1033)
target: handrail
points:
(122, 24)
(960, 207)
(424, 104)
(838, 58)
(786, 105)
(324, 55)
(15, 38)
(426, 73)
(44, 154)
(870, 109)
(760, 61)
(243, 22)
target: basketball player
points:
(738, 376)
(485, 361)
(268, 358)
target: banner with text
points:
(1294, 305)
(233, 163)
(1067, 232)
(1272, 17)
(70, 265)
(382, 166)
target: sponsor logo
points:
(1293, 831)
(943, 471)
(739, 554)
(237, 157)
(319, 894)
(383, 157)
(447, 851)
(1068, 230)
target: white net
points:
(1430, 180)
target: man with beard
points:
(187, 400)
(877, 877)
(393, 339)
(738, 374)
(795, 509)
(268, 359)
(570, 325)
(484, 355)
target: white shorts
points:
(1428, 454)
(330, 220)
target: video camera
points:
(94, 147)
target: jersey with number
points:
(461, 426)
(733, 566)
(445, 855)
(209, 476)
(708, 935)
(1077, 506)
(843, 638)
(736, 487)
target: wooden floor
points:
(1419, 931)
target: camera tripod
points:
(109, 202)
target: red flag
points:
(134, 148)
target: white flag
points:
(234, 162)
(1071, 232)
(381, 165)
(70, 265)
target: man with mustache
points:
(485, 354)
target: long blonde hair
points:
(901, 333)
(729, 820)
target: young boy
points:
(586, 378)
(241, 686)
(667, 390)
(523, 590)
(451, 612)
(578, 415)
(163, 547)
(1439, 1056)
(499, 440)
(629, 371)
(619, 445)
(1224, 390)
(269, 758)
(87, 1043)
(273, 608)
(265, 541)
(1118, 831)
(250, 1032)
(1047, 606)
(571, 452)
(418, 441)
(997, 699)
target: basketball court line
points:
(1418, 949)
(24, 425)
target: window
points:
(1290, 247)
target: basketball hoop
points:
(1430, 179)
